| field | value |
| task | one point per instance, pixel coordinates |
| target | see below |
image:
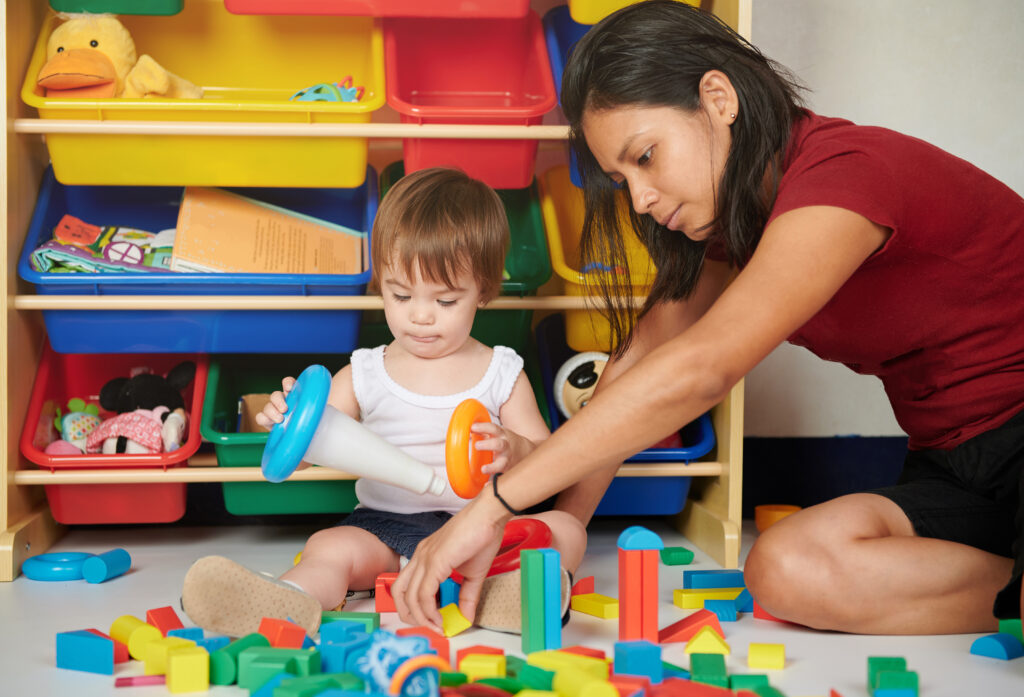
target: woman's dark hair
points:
(654, 54)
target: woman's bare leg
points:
(854, 565)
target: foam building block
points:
(121, 654)
(639, 658)
(531, 572)
(1012, 627)
(382, 600)
(676, 556)
(339, 631)
(476, 649)
(224, 661)
(684, 629)
(632, 685)
(725, 610)
(140, 680)
(1002, 646)
(256, 665)
(584, 651)
(766, 656)
(103, 567)
(583, 586)
(157, 652)
(134, 633)
(370, 620)
(192, 633)
(713, 578)
(596, 605)
(878, 664)
(761, 614)
(164, 619)
(552, 598)
(693, 598)
(744, 601)
(449, 592)
(85, 651)
(482, 665)
(437, 641)
(562, 660)
(638, 594)
(188, 670)
(639, 537)
(897, 680)
(454, 622)
(282, 634)
(709, 668)
(335, 655)
(707, 640)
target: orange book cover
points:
(220, 231)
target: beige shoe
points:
(500, 607)
(223, 596)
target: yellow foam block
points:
(707, 640)
(188, 669)
(482, 665)
(574, 682)
(453, 621)
(596, 604)
(560, 660)
(693, 598)
(771, 656)
(135, 633)
(158, 650)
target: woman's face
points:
(671, 160)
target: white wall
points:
(949, 72)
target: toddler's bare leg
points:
(337, 559)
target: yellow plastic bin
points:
(248, 67)
(593, 11)
(562, 207)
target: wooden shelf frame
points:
(711, 518)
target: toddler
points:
(438, 249)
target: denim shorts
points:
(971, 494)
(399, 531)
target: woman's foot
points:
(223, 596)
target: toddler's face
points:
(429, 319)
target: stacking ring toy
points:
(462, 460)
(520, 534)
(413, 664)
(55, 566)
(290, 439)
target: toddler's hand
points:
(273, 412)
(498, 441)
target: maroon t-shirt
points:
(938, 312)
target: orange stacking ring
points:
(462, 460)
(411, 666)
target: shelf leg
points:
(33, 534)
(716, 536)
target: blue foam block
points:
(639, 537)
(1002, 646)
(83, 650)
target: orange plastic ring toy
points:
(411, 666)
(462, 460)
(520, 534)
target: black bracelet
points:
(494, 488)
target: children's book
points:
(220, 231)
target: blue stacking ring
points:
(55, 566)
(290, 439)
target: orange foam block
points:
(684, 629)
(383, 602)
(164, 618)
(583, 586)
(120, 648)
(478, 649)
(282, 634)
(584, 651)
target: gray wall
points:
(949, 72)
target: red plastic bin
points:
(63, 376)
(382, 8)
(488, 71)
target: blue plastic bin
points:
(561, 32)
(626, 495)
(191, 331)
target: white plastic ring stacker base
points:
(315, 432)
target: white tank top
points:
(418, 423)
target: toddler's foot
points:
(500, 607)
(223, 596)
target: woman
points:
(866, 246)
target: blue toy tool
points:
(315, 432)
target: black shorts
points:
(971, 494)
(401, 532)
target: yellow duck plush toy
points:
(94, 56)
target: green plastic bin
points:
(120, 7)
(528, 265)
(231, 376)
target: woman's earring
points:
(732, 116)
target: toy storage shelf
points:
(711, 518)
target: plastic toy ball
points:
(462, 460)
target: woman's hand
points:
(273, 412)
(467, 543)
(507, 447)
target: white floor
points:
(31, 613)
